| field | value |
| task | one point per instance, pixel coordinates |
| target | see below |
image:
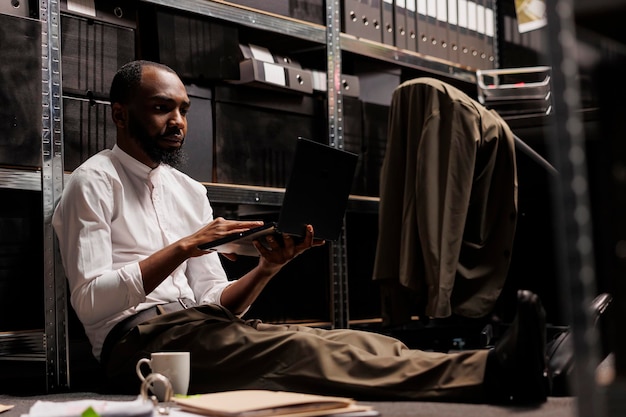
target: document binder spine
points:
(481, 45)
(453, 31)
(442, 29)
(472, 26)
(422, 28)
(490, 33)
(399, 21)
(351, 14)
(431, 27)
(374, 16)
(387, 28)
(463, 33)
(411, 25)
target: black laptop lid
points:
(317, 193)
(317, 190)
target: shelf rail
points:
(55, 299)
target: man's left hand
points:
(279, 250)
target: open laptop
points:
(317, 193)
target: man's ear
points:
(119, 114)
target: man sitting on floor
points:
(129, 225)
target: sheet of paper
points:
(135, 408)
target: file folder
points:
(490, 32)
(399, 20)
(387, 27)
(464, 37)
(423, 36)
(472, 26)
(374, 16)
(453, 31)
(411, 25)
(353, 12)
(481, 43)
(431, 27)
(442, 29)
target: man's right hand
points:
(218, 229)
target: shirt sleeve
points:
(205, 274)
(82, 222)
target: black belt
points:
(123, 327)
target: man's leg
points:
(229, 354)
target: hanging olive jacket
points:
(448, 199)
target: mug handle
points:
(138, 367)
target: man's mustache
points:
(173, 132)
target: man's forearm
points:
(158, 266)
(242, 293)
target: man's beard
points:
(172, 157)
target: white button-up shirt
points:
(116, 211)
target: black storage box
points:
(20, 91)
(198, 145)
(196, 48)
(93, 48)
(21, 260)
(375, 122)
(255, 133)
(87, 129)
(353, 141)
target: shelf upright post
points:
(339, 273)
(55, 313)
(572, 207)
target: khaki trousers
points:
(228, 353)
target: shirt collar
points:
(138, 168)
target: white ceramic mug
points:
(173, 365)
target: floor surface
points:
(554, 407)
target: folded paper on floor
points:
(260, 403)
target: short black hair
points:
(128, 78)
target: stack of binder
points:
(458, 31)
(364, 20)
(516, 92)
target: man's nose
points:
(177, 118)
